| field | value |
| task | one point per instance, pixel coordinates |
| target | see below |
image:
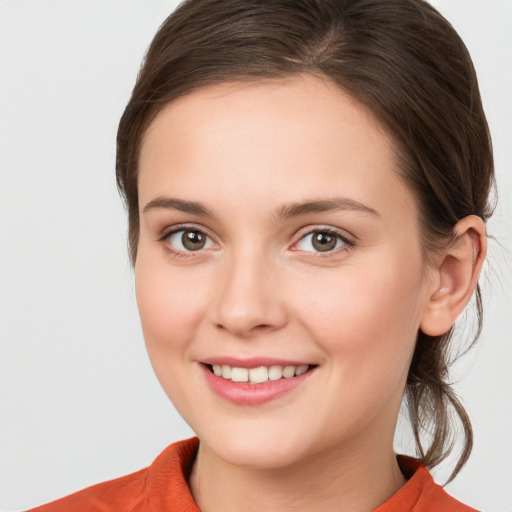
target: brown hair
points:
(403, 61)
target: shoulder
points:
(421, 493)
(125, 493)
(152, 488)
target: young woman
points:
(307, 185)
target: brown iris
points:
(193, 240)
(323, 242)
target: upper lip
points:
(252, 362)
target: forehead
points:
(299, 98)
(283, 139)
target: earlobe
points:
(455, 276)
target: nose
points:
(250, 299)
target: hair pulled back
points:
(399, 58)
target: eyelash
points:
(178, 253)
(348, 244)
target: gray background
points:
(79, 402)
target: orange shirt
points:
(162, 487)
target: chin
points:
(256, 448)
(266, 457)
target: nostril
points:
(242, 328)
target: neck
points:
(353, 480)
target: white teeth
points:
(303, 368)
(260, 374)
(239, 374)
(226, 371)
(275, 372)
(288, 372)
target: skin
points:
(259, 288)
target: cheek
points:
(366, 315)
(170, 305)
(366, 324)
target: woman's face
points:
(275, 232)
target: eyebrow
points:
(323, 205)
(178, 204)
(286, 211)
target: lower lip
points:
(242, 393)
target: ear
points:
(454, 276)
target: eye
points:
(189, 240)
(321, 241)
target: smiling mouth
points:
(258, 375)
